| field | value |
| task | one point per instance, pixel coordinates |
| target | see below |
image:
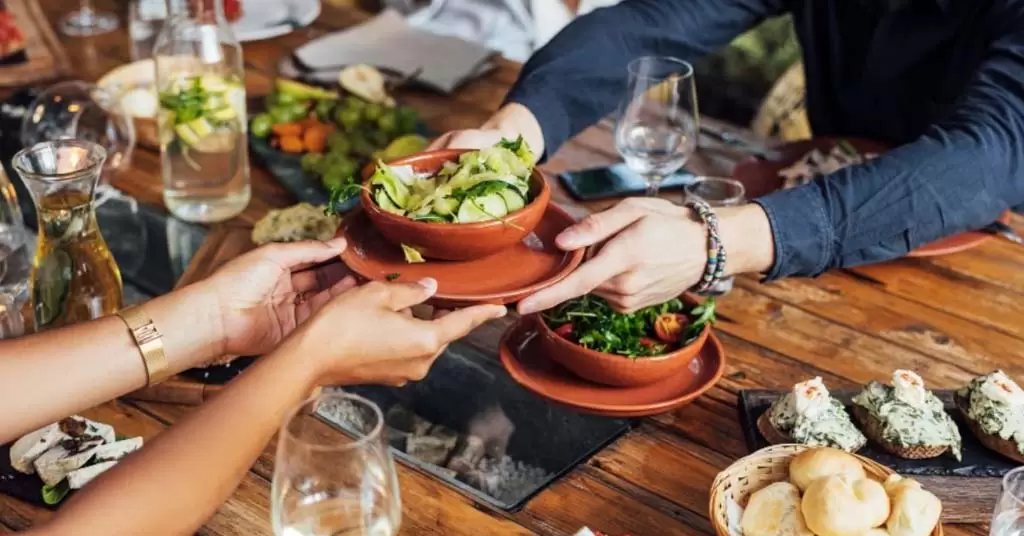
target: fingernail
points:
(500, 311)
(527, 306)
(337, 242)
(429, 283)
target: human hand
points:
(368, 335)
(263, 295)
(655, 250)
(511, 121)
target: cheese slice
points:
(58, 463)
(26, 450)
(810, 397)
(78, 479)
(998, 387)
(909, 388)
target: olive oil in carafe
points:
(74, 275)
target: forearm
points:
(579, 76)
(48, 376)
(175, 483)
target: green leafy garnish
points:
(393, 276)
(595, 325)
(845, 147)
(339, 195)
(55, 494)
(412, 255)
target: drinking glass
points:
(335, 479)
(717, 192)
(88, 22)
(15, 264)
(658, 121)
(1008, 519)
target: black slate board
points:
(978, 461)
(19, 485)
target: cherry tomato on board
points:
(669, 327)
(565, 331)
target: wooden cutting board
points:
(969, 489)
(45, 57)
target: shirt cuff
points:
(801, 232)
(550, 113)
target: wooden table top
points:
(949, 318)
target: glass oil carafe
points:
(202, 118)
(74, 275)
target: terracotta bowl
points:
(456, 241)
(136, 75)
(612, 369)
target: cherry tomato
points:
(648, 342)
(565, 331)
(669, 327)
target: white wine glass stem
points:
(653, 184)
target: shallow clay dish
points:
(525, 361)
(761, 177)
(456, 241)
(612, 369)
(136, 75)
(524, 268)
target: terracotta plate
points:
(507, 277)
(522, 358)
(761, 177)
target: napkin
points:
(388, 42)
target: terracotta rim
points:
(537, 179)
(505, 353)
(573, 260)
(594, 354)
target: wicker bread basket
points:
(764, 467)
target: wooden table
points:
(949, 318)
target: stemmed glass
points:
(1008, 518)
(658, 120)
(87, 21)
(718, 192)
(335, 478)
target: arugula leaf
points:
(339, 195)
(55, 494)
(392, 276)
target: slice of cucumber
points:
(445, 206)
(385, 202)
(226, 113)
(513, 199)
(431, 218)
(397, 191)
(483, 208)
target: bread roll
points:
(876, 532)
(838, 506)
(811, 465)
(774, 511)
(915, 510)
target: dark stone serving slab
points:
(978, 461)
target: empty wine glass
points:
(15, 263)
(718, 192)
(86, 21)
(657, 126)
(1008, 518)
(335, 478)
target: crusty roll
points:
(838, 506)
(813, 464)
(774, 511)
(915, 510)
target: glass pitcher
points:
(74, 276)
(202, 121)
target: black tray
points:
(978, 461)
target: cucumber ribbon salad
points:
(483, 185)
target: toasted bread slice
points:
(1006, 447)
(872, 428)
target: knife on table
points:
(752, 148)
(1003, 230)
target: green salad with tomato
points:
(659, 329)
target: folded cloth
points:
(388, 42)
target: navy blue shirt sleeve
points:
(579, 77)
(961, 174)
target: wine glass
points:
(717, 192)
(1008, 518)
(658, 121)
(15, 260)
(334, 475)
(87, 21)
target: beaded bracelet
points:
(715, 267)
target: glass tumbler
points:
(718, 192)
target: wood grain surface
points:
(949, 318)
